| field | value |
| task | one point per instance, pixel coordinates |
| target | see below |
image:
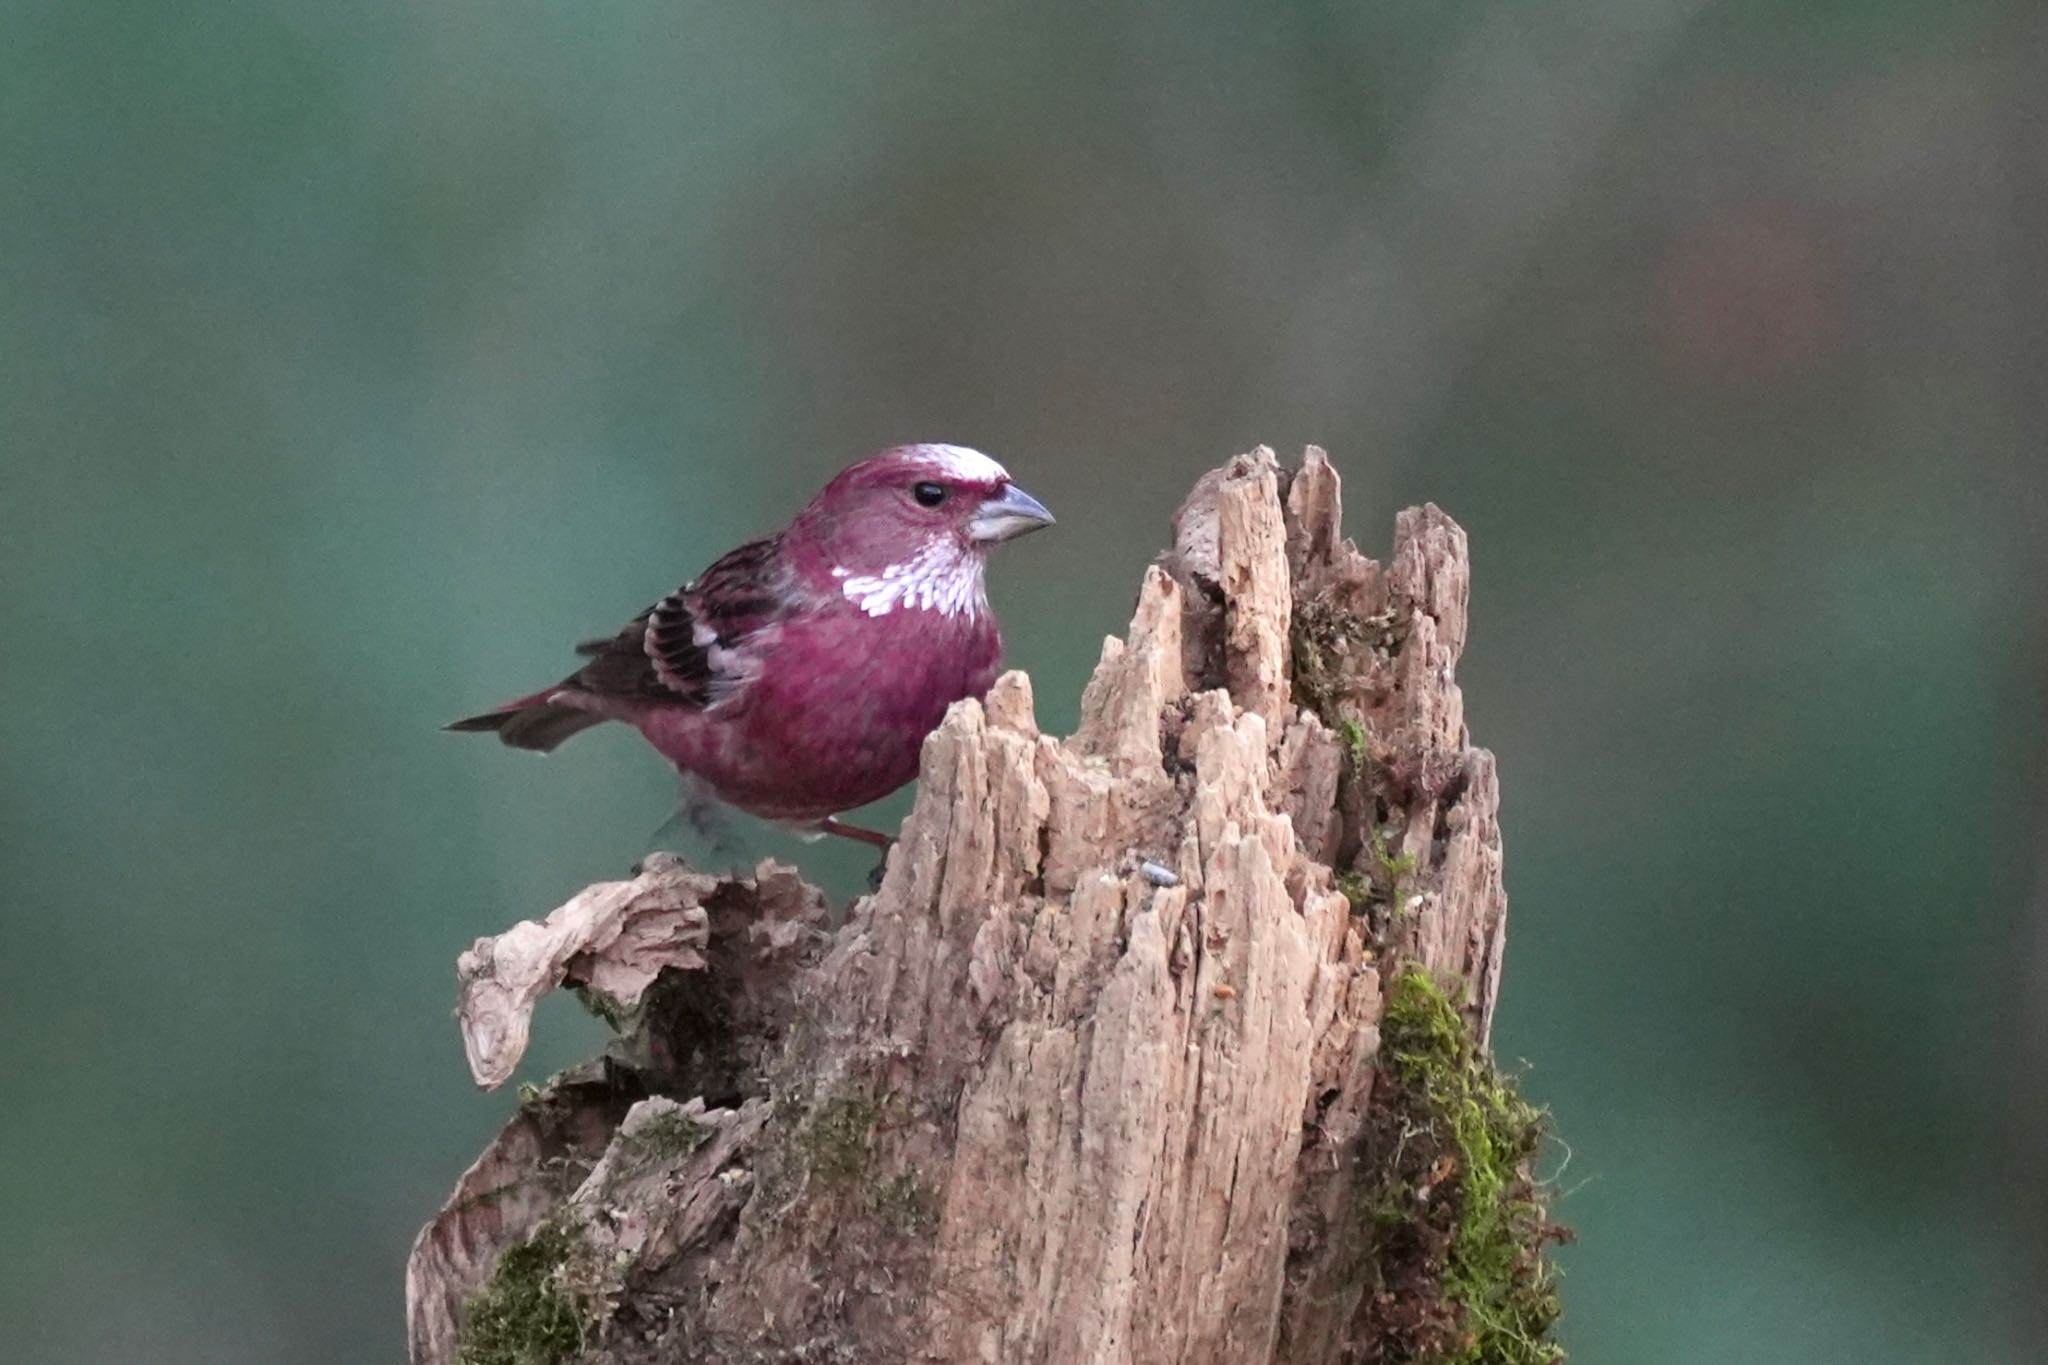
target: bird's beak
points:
(1007, 515)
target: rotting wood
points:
(1029, 1104)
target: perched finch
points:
(797, 677)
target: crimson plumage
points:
(797, 677)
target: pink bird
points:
(797, 677)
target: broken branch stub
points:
(1089, 1077)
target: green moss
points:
(673, 1135)
(905, 1202)
(1394, 868)
(1357, 745)
(667, 1137)
(1324, 676)
(524, 1315)
(830, 1153)
(1318, 639)
(1326, 643)
(834, 1139)
(616, 1015)
(547, 1104)
(1380, 889)
(1391, 872)
(1453, 1221)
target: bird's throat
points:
(943, 577)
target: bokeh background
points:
(354, 359)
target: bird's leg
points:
(699, 811)
(832, 824)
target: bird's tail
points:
(536, 722)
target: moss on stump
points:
(1453, 1219)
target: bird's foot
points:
(833, 825)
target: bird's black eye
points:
(928, 494)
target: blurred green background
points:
(356, 359)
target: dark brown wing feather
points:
(659, 655)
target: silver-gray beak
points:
(1007, 515)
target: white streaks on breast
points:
(941, 577)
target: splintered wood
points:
(1082, 1080)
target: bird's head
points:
(911, 527)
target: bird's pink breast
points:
(836, 712)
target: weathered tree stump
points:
(1164, 1042)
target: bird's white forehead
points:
(959, 462)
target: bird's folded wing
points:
(690, 647)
